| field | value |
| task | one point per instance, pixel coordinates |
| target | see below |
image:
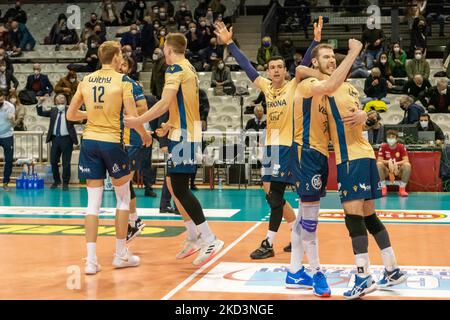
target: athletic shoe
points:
(288, 248)
(208, 251)
(127, 259)
(402, 192)
(5, 187)
(91, 267)
(320, 285)
(189, 248)
(393, 278)
(384, 191)
(150, 193)
(362, 287)
(299, 280)
(133, 232)
(264, 251)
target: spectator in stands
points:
(99, 33)
(261, 99)
(161, 37)
(265, 53)
(65, 35)
(397, 61)
(419, 36)
(128, 52)
(298, 57)
(418, 65)
(438, 97)
(412, 110)
(201, 10)
(7, 121)
(209, 17)
(16, 14)
(61, 133)
(373, 40)
(359, 69)
(211, 54)
(435, 12)
(195, 39)
(163, 17)
(287, 51)
(128, 13)
(206, 30)
(172, 26)
(374, 128)
(4, 37)
(51, 39)
(426, 124)
(417, 89)
(393, 162)
(96, 22)
(21, 112)
(182, 14)
(141, 8)
(375, 87)
(67, 85)
(167, 7)
(92, 60)
(38, 82)
(6, 77)
(383, 65)
(304, 15)
(158, 71)
(218, 8)
(132, 38)
(5, 58)
(148, 40)
(110, 15)
(20, 38)
(257, 123)
(87, 31)
(221, 78)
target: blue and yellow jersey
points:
(280, 111)
(184, 112)
(103, 93)
(311, 122)
(349, 142)
(130, 136)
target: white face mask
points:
(134, 31)
(391, 141)
(444, 92)
(221, 66)
(3, 69)
(155, 57)
(13, 100)
(128, 54)
(383, 61)
(162, 33)
(418, 56)
(73, 80)
(203, 24)
(37, 72)
(424, 124)
(61, 107)
(396, 50)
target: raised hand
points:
(318, 29)
(223, 34)
(354, 45)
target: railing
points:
(269, 26)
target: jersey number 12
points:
(100, 91)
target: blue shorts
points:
(137, 156)
(358, 179)
(281, 167)
(313, 175)
(98, 156)
(182, 157)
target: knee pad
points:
(373, 224)
(95, 196)
(355, 225)
(310, 221)
(132, 193)
(275, 200)
(123, 196)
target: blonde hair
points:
(177, 41)
(108, 50)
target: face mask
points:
(193, 30)
(424, 124)
(162, 33)
(13, 100)
(109, 6)
(221, 66)
(203, 24)
(2, 69)
(128, 54)
(2, 57)
(156, 26)
(266, 44)
(182, 29)
(61, 107)
(418, 56)
(1, 104)
(444, 92)
(183, 9)
(37, 72)
(396, 50)
(155, 11)
(155, 57)
(383, 61)
(73, 80)
(371, 122)
(391, 141)
(141, 5)
(134, 32)
(94, 20)
(93, 45)
(162, 15)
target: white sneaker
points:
(127, 259)
(189, 248)
(208, 251)
(91, 267)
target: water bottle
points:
(35, 181)
(220, 186)
(29, 181)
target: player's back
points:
(348, 141)
(184, 112)
(311, 122)
(103, 92)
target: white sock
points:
(383, 183)
(120, 246)
(91, 251)
(297, 250)
(402, 184)
(389, 261)
(271, 236)
(205, 232)
(132, 218)
(191, 229)
(362, 264)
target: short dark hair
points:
(425, 115)
(276, 58)
(392, 133)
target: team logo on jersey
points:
(84, 170)
(316, 182)
(275, 116)
(355, 188)
(345, 193)
(364, 187)
(380, 186)
(115, 168)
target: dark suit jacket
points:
(10, 78)
(251, 124)
(46, 86)
(434, 96)
(53, 115)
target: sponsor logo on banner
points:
(394, 216)
(427, 282)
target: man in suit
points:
(39, 83)
(438, 97)
(61, 133)
(257, 123)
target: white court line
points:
(196, 273)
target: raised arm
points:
(226, 37)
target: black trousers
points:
(61, 146)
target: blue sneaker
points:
(392, 278)
(320, 285)
(299, 280)
(362, 287)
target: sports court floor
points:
(42, 246)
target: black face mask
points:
(371, 122)
(1, 105)
(403, 107)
